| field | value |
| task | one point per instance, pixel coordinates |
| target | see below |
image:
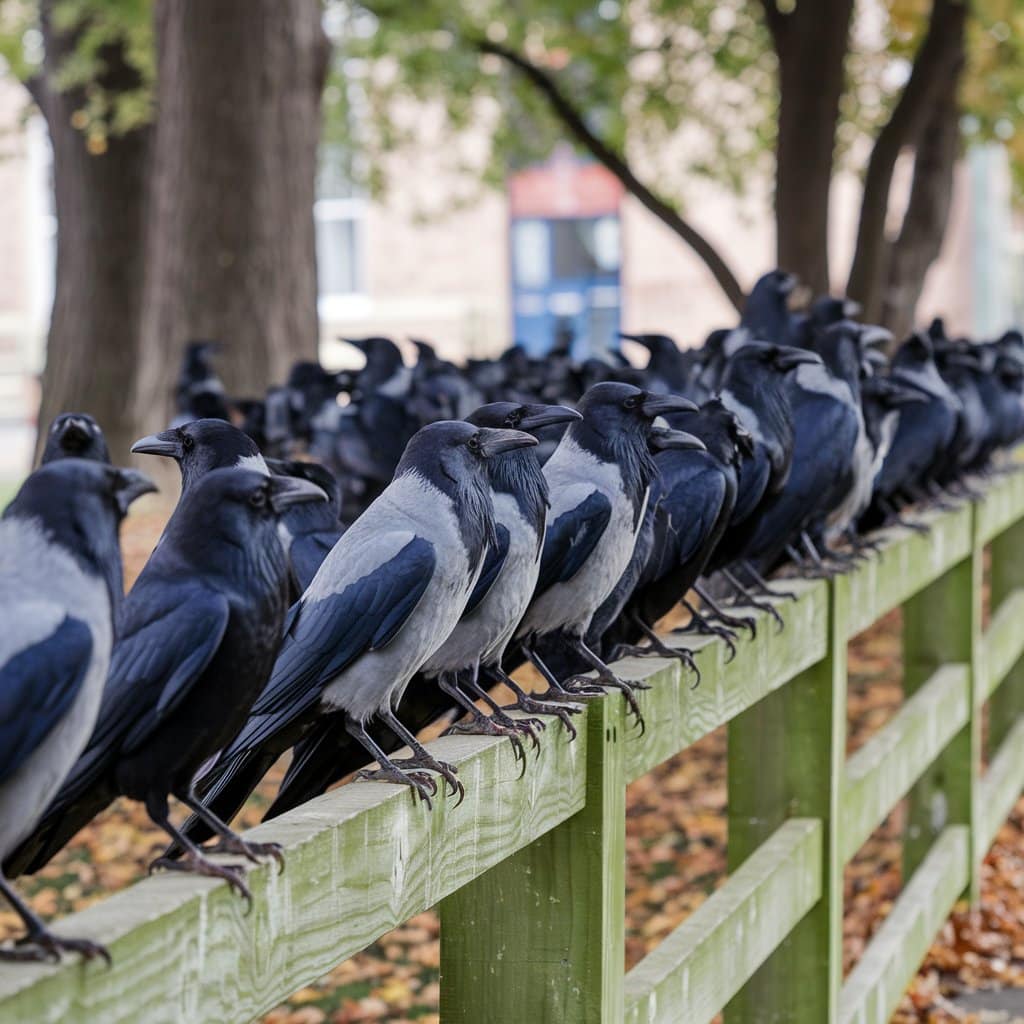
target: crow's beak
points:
(875, 336)
(961, 359)
(131, 484)
(495, 442)
(787, 282)
(874, 359)
(661, 439)
(661, 405)
(788, 357)
(286, 491)
(640, 339)
(75, 429)
(538, 416)
(167, 444)
(745, 443)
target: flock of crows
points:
(358, 554)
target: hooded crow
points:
(60, 590)
(386, 597)
(599, 479)
(75, 435)
(196, 642)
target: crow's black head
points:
(75, 435)
(202, 446)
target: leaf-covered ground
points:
(675, 836)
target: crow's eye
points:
(188, 443)
(633, 401)
(473, 444)
(258, 499)
(514, 418)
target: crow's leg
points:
(732, 621)
(422, 758)
(656, 647)
(816, 560)
(699, 624)
(38, 942)
(750, 599)
(861, 543)
(607, 677)
(193, 858)
(763, 587)
(556, 691)
(525, 702)
(231, 841)
(524, 726)
(479, 724)
(893, 518)
(422, 783)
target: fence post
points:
(1006, 574)
(787, 756)
(540, 938)
(942, 625)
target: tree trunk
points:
(92, 345)
(811, 42)
(924, 224)
(937, 60)
(230, 250)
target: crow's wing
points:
(37, 687)
(493, 563)
(326, 635)
(168, 636)
(571, 538)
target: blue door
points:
(565, 283)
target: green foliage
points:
(684, 87)
(95, 31)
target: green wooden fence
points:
(529, 871)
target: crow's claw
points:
(420, 782)
(560, 711)
(254, 852)
(45, 946)
(199, 864)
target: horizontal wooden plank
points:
(706, 960)
(1002, 505)
(678, 714)
(908, 563)
(876, 984)
(1001, 785)
(1003, 643)
(883, 770)
(361, 860)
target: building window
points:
(339, 230)
(340, 217)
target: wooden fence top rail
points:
(366, 857)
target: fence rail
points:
(528, 872)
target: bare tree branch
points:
(937, 59)
(616, 163)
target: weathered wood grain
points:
(1003, 642)
(361, 860)
(908, 563)
(541, 936)
(786, 759)
(884, 769)
(679, 713)
(699, 967)
(875, 985)
(942, 625)
(1001, 507)
(1001, 785)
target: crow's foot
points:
(420, 782)
(253, 852)
(198, 863)
(40, 944)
